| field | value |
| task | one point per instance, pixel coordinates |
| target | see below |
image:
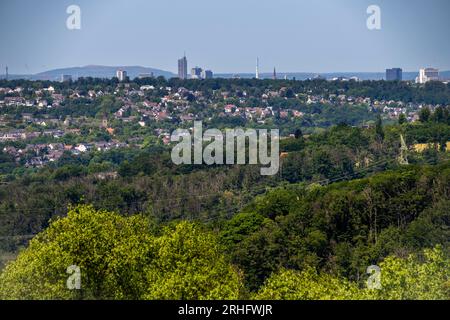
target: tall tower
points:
(274, 73)
(6, 74)
(257, 68)
(121, 75)
(182, 68)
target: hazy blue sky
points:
(226, 35)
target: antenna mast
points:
(257, 68)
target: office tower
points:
(274, 74)
(394, 74)
(182, 68)
(121, 75)
(66, 78)
(6, 74)
(196, 73)
(427, 74)
(207, 74)
(257, 68)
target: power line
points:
(229, 211)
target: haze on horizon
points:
(226, 36)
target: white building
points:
(121, 75)
(427, 74)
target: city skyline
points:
(295, 36)
(391, 74)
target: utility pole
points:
(403, 157)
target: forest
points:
(291, 243)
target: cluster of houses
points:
(38, 155)
(148, 104)
(22, 134)
(137, 108)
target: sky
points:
(226, 36)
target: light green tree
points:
(108, 249)
(306, 285)
(189, 264)
(119, 258)
(418, 277)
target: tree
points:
(189, 264)
(439, 115)
(425, 277)
(108, 249)
(307, 285)
(424, 115)
(418, 277)
(119, 258)
(402, 119)
(379, 132)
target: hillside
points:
(94, 71)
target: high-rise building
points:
(274, 74)
(207, 74)
(394, 74)
(66, 78)
(427, 74)
(196, 73)
(121, 75)
(6, 74)
(182, 68)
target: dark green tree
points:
(379, 132)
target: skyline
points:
(98, 71)
(323, 36)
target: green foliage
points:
(424, 115)
(189, 264)
(306, 285)
(343, 227)
(379, 129)
(418, 277)
(413, 278)
(108, 249)
(120, 259)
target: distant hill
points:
(94, 71)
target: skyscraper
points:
(196, 73)
(394, 74)
(427, 74)
(207, 74)
(121, 75)
(182, 68)
(274, 73)
(6, 74)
